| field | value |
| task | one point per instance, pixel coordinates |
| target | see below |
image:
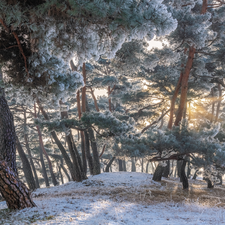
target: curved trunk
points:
(195, 175)
(109, 164)
(12, 189)
(26, 166)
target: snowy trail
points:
(75, 203)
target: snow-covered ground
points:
(115, 199)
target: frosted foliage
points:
(192, 28)
(89, 41)
(61, 83)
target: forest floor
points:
(123, 198)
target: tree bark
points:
(173, 101)
(219, 103)
(60, 146)
(209, 183)
(183, 175)
(31, 161)
(95, 100)
(195, 175)
(110, 102)
(184, 85)
(133, 166)
(213, 105)
(124, 165)
(96, 162)
(158, 173)
(88, 153)
(44, 172)
(26, 166)
(120, 164)
(54, 181)
(166, 170)
(109, 164)
(61, 176)
(12, 189)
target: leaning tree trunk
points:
(109, 164)
(12, 189)
(158, 173)
(31, 161)
(44, 172)
(26, 166)
(59, 144)
(183, 176)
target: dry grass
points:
(169, 190)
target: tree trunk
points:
(84, 157)
(109, 164)
(188, 169)
(31, 161)
(179, 164)
(183, 175)
(124, 165)
(44, 172)
(184, 82)
(146, 171)
(120, 161)
(213, 105)
(61, 176)
(219, 103)
(110, 102)
(195, 175)
(12, 189)
(65, 171)
(26, 166)
(173, 101)
(77, 164)
(133, 167)
(166, 170)
(184, 85)
(88, 153)
(209, 183)
(60, 146)
(54, 181)
(158, 173)
(96, 162)
(95, 100)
